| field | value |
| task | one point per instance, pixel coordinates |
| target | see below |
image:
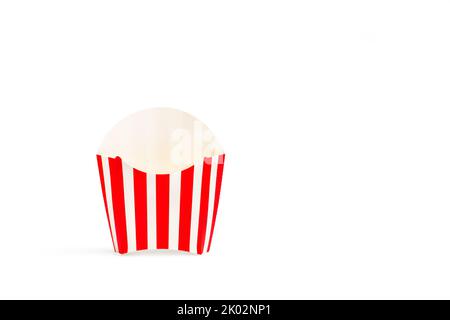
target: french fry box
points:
(161, 173)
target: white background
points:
(335, 120)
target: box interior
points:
(160, 140)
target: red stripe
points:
(216, 196)
(102, 181)
(187, 179)
(115, 168)
(162, 211)
(204, 205)
(140, 205)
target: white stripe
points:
(196, 195)
(212, 191)
(106, 175)
(174, 210)
(128, 186)
(151, 210)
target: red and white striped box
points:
(161, 211)
(175, 211)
